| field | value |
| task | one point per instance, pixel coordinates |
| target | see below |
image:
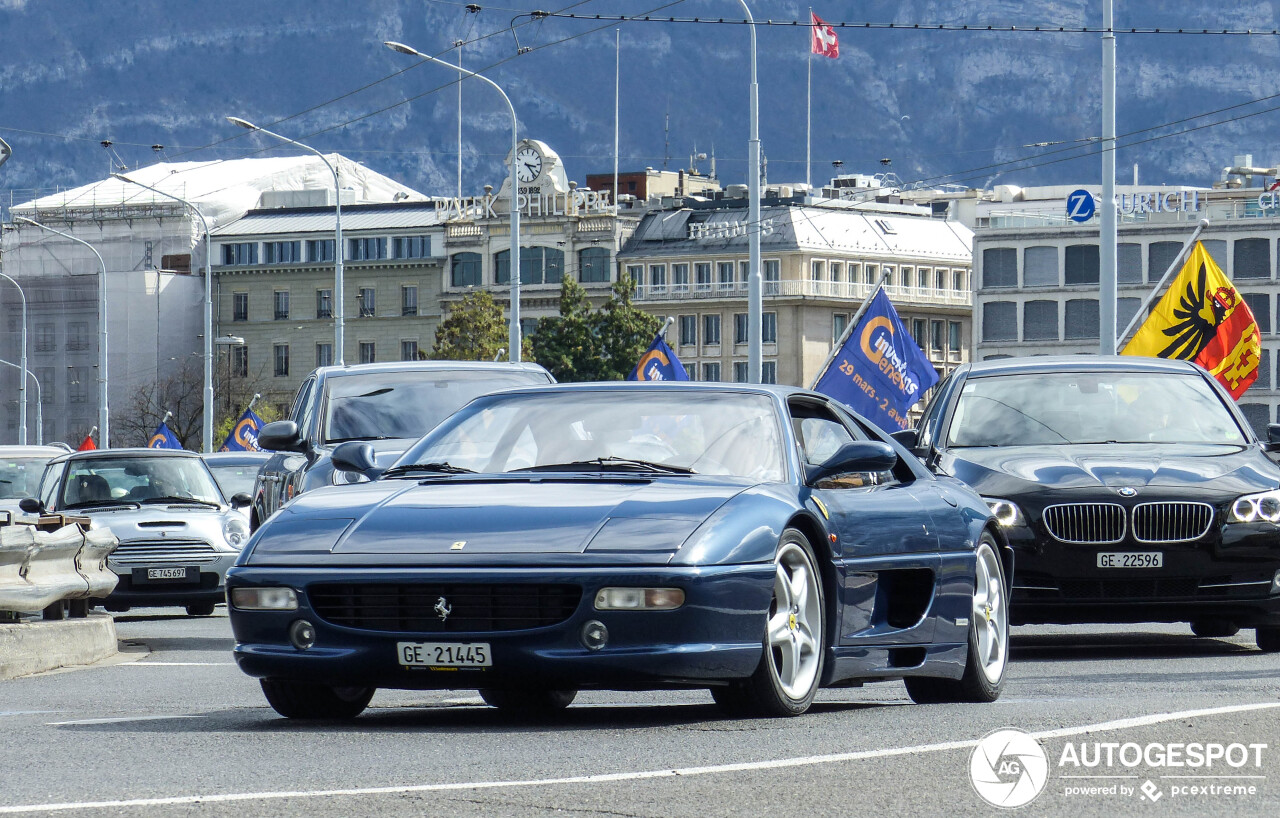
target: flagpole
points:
(848, 329)
(252, 401)
(1151, 296)
(666, 325)
(808, 112)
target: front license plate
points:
(167, 574)
(1131, 559)
(444, 654)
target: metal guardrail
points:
(50, 561)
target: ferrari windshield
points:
(103, 480)
(1090, 407)
(667, 431)
(407, 404)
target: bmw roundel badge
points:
(1128, 491)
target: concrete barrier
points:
(35, 647)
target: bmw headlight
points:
(346, 478)
(235, 530)
(1256, 508)
(1006, 512)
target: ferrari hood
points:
(465, 516)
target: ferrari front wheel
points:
(529, 701)
(303, 700)
(790, 670)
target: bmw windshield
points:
(663, 431)
(1090, 407)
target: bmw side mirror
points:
(282, 436)
(858, 456)
(1273, 438)
(31, 505)
(356, 456)
(241, 500)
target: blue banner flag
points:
(244, 435)
(880, 373)
(164, 438)
(659, 363)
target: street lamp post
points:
(755, 307)
(22, 381)
(339, 300)
(103, 412)
(208, 308)
(229, 341)
(514, 330)
(39, 400)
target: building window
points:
(239, 306)
(920, 332)
(408, 350)
(282, 360)
(1160, 254)
(636, 274)
(711, 372)
(46, 338)
(888, 275)
(240, 254)
(999, 267)
(816, 270)
(744, 273)
(77, 384)
(78, 336)
(772, 271)
(1082, 264)
(870, 274)
(320, 249)
(768, 372)
(724, 275)
(465, 270)
(1129, 263)
(366, 302)
(688, 330)
(324, 354)
(837, 271)
(594, 265)
(324, 303)
(1000, 321)
(240, 361)
(658, 277)
(739, 327)
(1040, 321)
(953, 338)
(769, 328)
(959, 286)
(281, 305)
(1217, 250)
(48, 386)
(409, 299)
(367, 248)
(839, 322)
(282, 252)
(938, 328)
(711, 333)
(1082, 318)
(740, 372)
(368, 354)
(680, 278)
(411, 246)
(1252, 259)
(1040, 267)
(538, 265)
(855, 273)
(1126, 308)
(702, 276)
(1260, 306)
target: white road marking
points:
(746, 766)
(121, 720)
(181, 664)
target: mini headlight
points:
(346, 478)
(1006, 512)
(263, 599)
(639, 599)
(235, 530)
(1253, 508)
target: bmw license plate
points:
(1131, 559)
(444, 654)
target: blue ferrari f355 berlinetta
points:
(758, 541)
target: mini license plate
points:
(1131, 559)
(444, 654)
(169, 574)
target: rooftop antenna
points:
(114, 162)
(666, 136)
(713, 160)
(694, 158)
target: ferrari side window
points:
(821, 438)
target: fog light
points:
(639, 599)
(595, 635)
(1275, 583)
(263, 599)
(302, 634)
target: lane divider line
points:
(745, 766)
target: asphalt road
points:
(175, 729)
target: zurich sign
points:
(1080, 206)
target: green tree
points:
(567, 344)
(474, 331)
(625, 332)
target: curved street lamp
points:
(39, 400)
(103, 413)
(208, 308)
(22, 381)
(339, 309)
(514, 329)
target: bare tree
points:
(180, 393)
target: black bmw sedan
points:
(1131, 489)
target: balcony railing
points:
(853, 291)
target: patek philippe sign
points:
(532, 202)
(726, 230)
(1082, 205)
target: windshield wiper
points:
(358, 437)
(187, 500)
(609, 463)
(103, 504)
(439, 468)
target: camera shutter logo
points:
(1008, 768)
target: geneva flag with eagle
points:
(1202, 318)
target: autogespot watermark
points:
(1009, 768)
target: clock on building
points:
(528, 164)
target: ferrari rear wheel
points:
(528, 700)
(1214, 628)
(984, 672)
(790, 671)
(1268, 639)
(302, 700)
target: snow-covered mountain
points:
(943, 106)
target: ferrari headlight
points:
(346, 478)
(1256, 508)
(1006, 512)
(263, 599)
(639, 599)
(235, 530)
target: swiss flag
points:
(87, 444)
(824, 40)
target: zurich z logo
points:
(443, 609)
(1080, 206)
